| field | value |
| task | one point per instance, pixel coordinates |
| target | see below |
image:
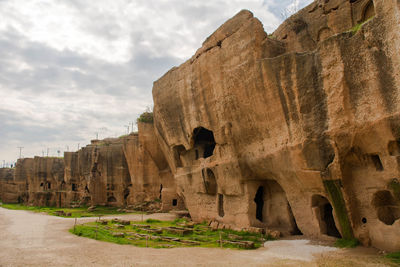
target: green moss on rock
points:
(394, 185)
(339, 205)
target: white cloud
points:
(69, 69)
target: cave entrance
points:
(259, 200)
(387, 209)
(273, 209)
(204, 141)
(160, 196)
(111, 199)
(324, 212)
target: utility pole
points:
(20, 150)
(97, 135)
(127, 127)
(4, 163)
(78, 145)
(48, 151)
(132, 126)
(67, 148)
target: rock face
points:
(98, 173)
(11, 190)
(45, 179)
(130, 170)
(297, 131)
(151, 178)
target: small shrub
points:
(346, 243)
(394, 257)
(146, 117)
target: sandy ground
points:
(32, 239)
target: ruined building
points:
(298, 130)
(113, 172)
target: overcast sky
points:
(71, 68)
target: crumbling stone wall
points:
(151, 178)
(296, 131)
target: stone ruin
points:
(120, 172)
(296, 132)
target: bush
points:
(146, 117)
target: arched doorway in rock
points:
(204, 142)
(386, 206)
(273, 209)
(324, 213)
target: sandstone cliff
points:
(151, 177)
(296, 131)
(11, 191)
(125, 171)
(98, 173)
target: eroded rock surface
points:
(98, 173)
(11, 190)
(126, 171)
(297, 131)
(150, 175)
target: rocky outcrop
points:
(126, 171)
(296, 131)
(11, 190)
(98, 173)
(151, 178)
(45, 180)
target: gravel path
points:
(33, 239)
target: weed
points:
(346, 243)
(394, 257)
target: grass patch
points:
(394, 257)
(152, 221)
(156, 236)
(75, 212)
(346, 243)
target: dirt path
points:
(32, 239)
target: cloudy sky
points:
(72, 68)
